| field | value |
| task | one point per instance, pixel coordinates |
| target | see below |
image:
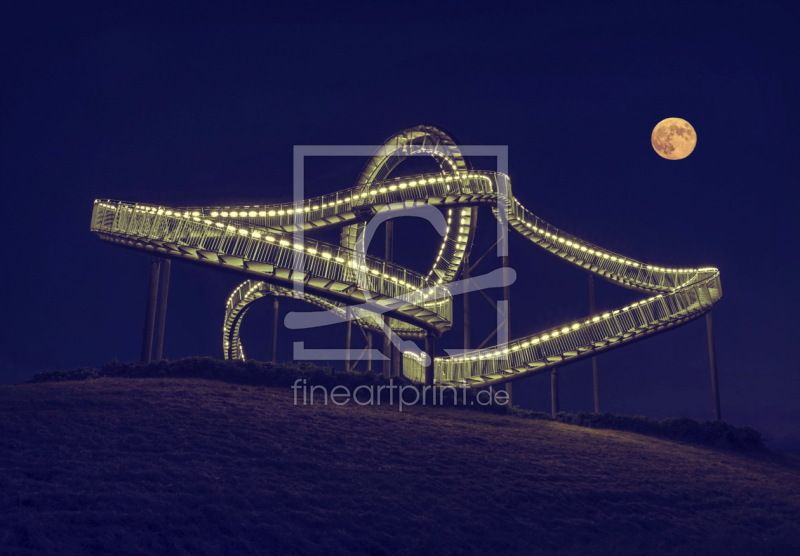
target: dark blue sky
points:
(196, 108)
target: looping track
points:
(260, 240)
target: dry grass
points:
(142, 466)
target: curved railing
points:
(257, 240)
(323, 268)
(250, 291)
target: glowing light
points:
(459, 231)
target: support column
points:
(507, 298)
(348, 339)
(712, 364)
(595, 373)
(150, 310)
(161, 309)
(369, 352)
(467, 316)
(388, 255)
(397, 362)
(554, 391)
(275, 315)
(430, 349)
(387, 350)
(388, 243)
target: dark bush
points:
(257, 373)
(711, 433)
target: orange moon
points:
(673, 138)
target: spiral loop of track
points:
(259, 240)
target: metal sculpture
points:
(260, 240)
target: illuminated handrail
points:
(240, 235)
(624, 270)
(584, 336)
(282, 216)
(316, 259)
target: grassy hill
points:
(193, 466)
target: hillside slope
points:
(141, 466)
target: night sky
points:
(195, 107)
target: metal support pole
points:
(507, 319)
(387, 350)
(388, 243)
(150, 310)
(275, 315)
(467, 308)
(712, 363)
(554, 391)
(430, 349)
(347, 340)
(161, 309)
(595, 374)
(397, 360)
(369, 352)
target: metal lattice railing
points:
(260, 239)
(283, 259)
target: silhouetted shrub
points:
(712, 433)
(257, 373)
(254, 373)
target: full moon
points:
(673, 138)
